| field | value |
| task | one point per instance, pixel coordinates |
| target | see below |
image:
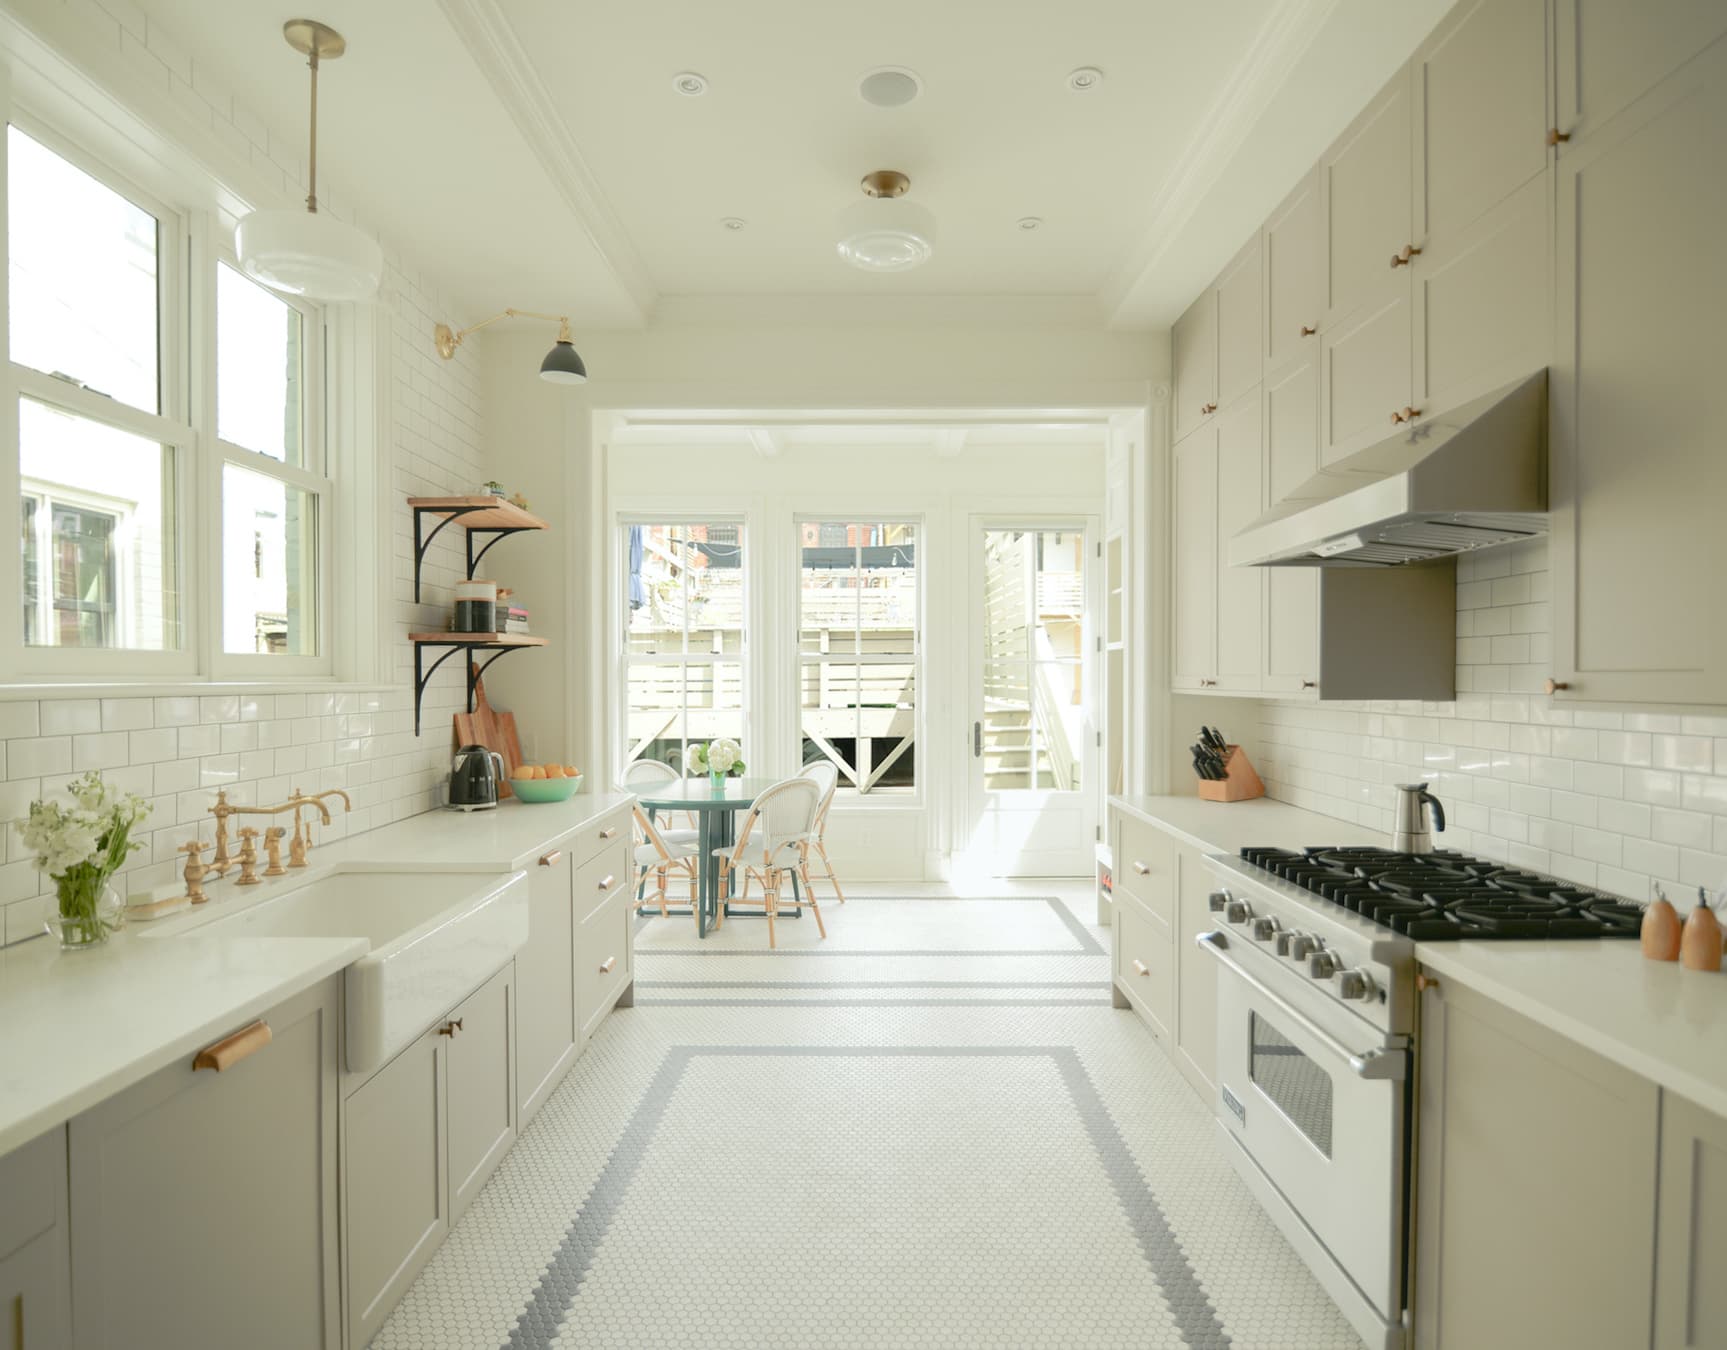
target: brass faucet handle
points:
(273, 847)
(195, 871)
(248, 857)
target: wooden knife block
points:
(1243, 783)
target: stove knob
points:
(1266, 929)
(1299, 946)
(1217, 900)
(1238, 911)
(1322, 965)
(1356, 984)
(1282, 942)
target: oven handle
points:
(1374, 1064)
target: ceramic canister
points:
(476, 607)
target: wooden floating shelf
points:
(479, 513)
(475, 515)
(496, 643)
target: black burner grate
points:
(1446, 895)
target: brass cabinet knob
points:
(1207, 408)
(1554, 686)
(1310, 684)
(1403, 255)
(1307, 330)
(1557, 137)
(551, 859)
(1396, 418)
(1144, 869)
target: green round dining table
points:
(716, 812)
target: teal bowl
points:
(536, 790)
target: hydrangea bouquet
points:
(81, 846)
(718, 760)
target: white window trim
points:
(186, 365)
(849, 797)
(618, 624)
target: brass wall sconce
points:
(563, 364)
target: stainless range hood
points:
(1466, 479)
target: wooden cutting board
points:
(494, 730)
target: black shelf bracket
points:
(423, 673)
(448, 515)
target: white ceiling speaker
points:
(890, 87)
(885, 232)
(302, 252)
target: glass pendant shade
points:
(308, 253)
(886, 234)
(563, 365)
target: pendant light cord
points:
(312, 154)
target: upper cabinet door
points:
(1238, 325)
(1480, 112)
(1194, 339)
(1294, 275)
(1638, 471)
(1193, 531)
(1608, 52)
(1364, 195)
(1240, 590)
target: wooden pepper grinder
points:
(1700, 945)
(1660, 931)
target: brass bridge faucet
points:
(297, 847)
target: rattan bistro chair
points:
(770, 850)
(657, 857)
(827, 777)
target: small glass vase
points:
(85, 916)
(717, 781)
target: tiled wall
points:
(178, 751)
(1619, 797)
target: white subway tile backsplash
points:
(104, 750)
(1619, 797)
(35, 757)
(127, 714)
(70, 716)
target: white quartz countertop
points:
(1652, 1017)
(77, 1027)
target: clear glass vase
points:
(86, 914)
(717, 781)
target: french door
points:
(1031, 801)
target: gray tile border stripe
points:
(1195, 1317)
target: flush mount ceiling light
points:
(1030, 222)
(690, 84)
(733, 223)
(890, 86)
(303, 252)
(1084, 80)
(563, 365)
(885, 232)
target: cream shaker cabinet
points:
(482, 1104)
(1638, 403)
(35, 1311)
(604, 961)
(1528, 1229)
(546, 984)
(1142, 954)
(1691, 1228)
(1193, 534)
(1294, 282)
(1608, 52)
(203, 1201)
(1240, 590)
(1193, 359)
(1196, 989)
(1240, 330)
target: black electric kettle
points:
(474, 775)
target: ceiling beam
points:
(510, 71)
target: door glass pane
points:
(1296, 1084)
(269, 565)
(1034, 672)
(97, 534)
(259, 369)
(82, 272)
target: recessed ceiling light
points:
(1030, 222)
(890, 86)
(733, 223)
(690, 84)
(1085, 79)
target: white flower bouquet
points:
(81, 846)
(718, 759)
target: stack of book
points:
(518, 622)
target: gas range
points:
(1445, 895)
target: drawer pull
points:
(610, 832)
(606, 885)
(1140, 968)
(450, 1028)
(607, 964)
(551, 859)
(1144, 869)
(230, 1050)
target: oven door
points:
(1320, 1118)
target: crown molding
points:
(1224, 129)
(510, 71)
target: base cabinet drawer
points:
(1145, 865)
(1145, 965)
(604, 961)
(203, 1202)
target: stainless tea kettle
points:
(474, 776)
(1409, 826)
